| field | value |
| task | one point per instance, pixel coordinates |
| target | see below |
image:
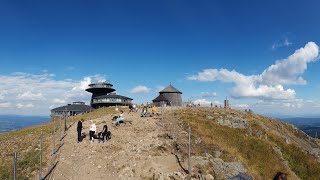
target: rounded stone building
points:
(103, 95)
(170, 96)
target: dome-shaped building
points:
(103, 96)
(170, 96)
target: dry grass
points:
(255, 153)
(26, 143)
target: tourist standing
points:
(93, 129)
(79, 129)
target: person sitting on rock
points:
(104, 133)
(154, 110)
(120, 118)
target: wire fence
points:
(57, 136)
(180, 139)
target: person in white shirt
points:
(93, 129)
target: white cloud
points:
(208, 95)
(28, 95)
(83, 84)
(2, 93)
(5, 105)
(29, 105)
(139, 89)
(284, 43)
(270, 83)
(59, 101)
(290, 107)
(202, 102)
(241, 106)
(40, 92)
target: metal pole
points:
(53, 136)
(15, 166)
(40, 168)
(162, 114)
(60, 129)
(65, 120)
(172, 125)
(189, 151)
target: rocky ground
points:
(137, 150)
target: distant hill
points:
(301, 121)
(311, 126)
(14, 122)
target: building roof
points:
(73, 107)
(160, 98)
(112, 96)
(170, 89)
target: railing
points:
(100, 86)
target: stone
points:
(210, 117)
(209, 177)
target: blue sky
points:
(148, 44)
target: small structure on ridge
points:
(71, 109)
(169, 96)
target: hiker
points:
(135, 108)
(280, 176)
(130, 108)
(104, 133)
(93, 129)
(120, 118)
(144, 111)
(79, 128)
(154, 110)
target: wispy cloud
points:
(284, 43)
(208, 95)
(139, 90)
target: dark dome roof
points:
(170, 89)
(160, 98)
(73, 107)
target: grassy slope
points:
(254, 152)
(26, 143)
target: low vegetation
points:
(26, 143)
(253, 146)
(244, 145)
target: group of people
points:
(104, 134)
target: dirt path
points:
(136, 151)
